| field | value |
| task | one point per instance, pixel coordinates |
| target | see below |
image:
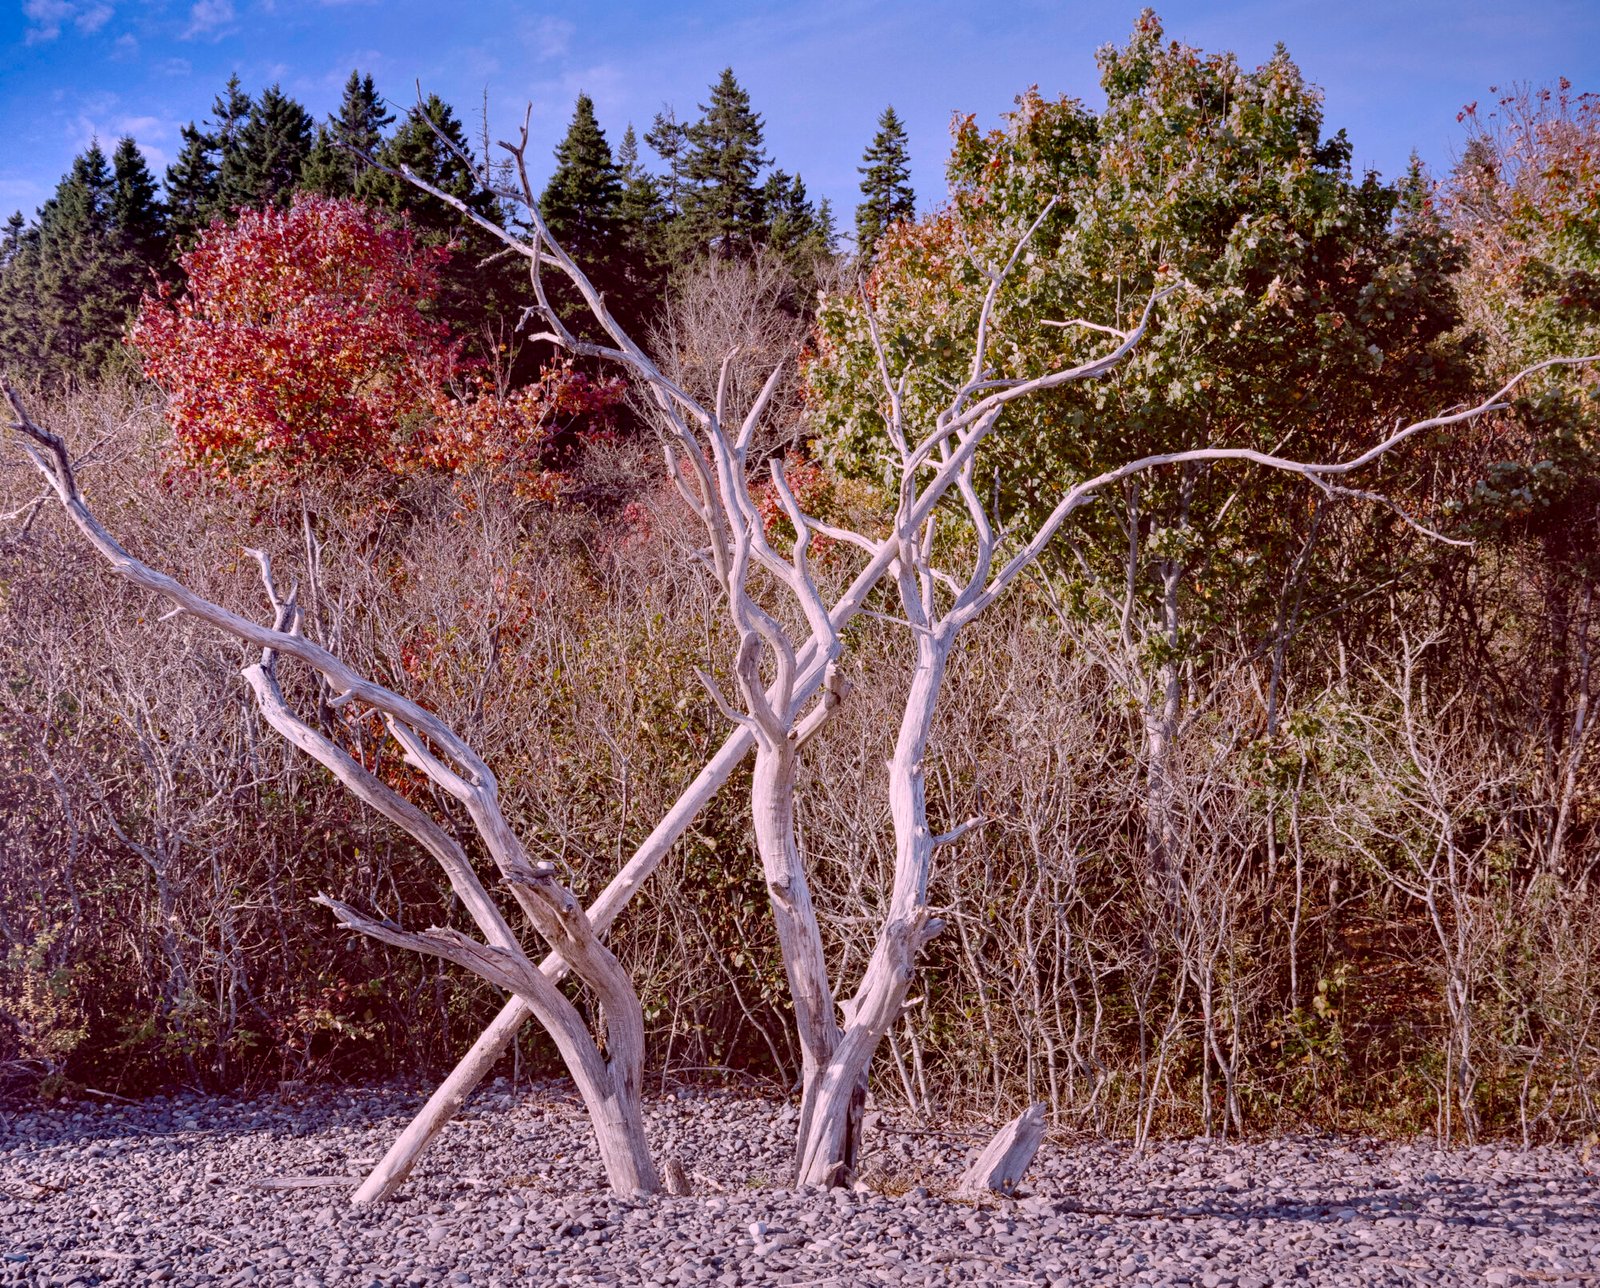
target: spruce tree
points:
(193, 190)
(137, 216)
(11, 238)
(885, 183)
(230, 113)
(416, 145)
(800, 234)
(581, 202)
(642, 215)
(791, 220)
(273, 147)
(482, 294)
(19, 327)
(668, 137)
(78, 293)
(334, 167)
(722, 202)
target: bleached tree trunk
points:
(609, 1082)
(707, 463)
(999, 1169)
(772, 792)
(828, 1151)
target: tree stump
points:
(1005, 1158)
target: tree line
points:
(110, 233)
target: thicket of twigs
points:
(1375, 897)
(1383, 912)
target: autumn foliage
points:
(302, 340)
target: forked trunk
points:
(829, 1150)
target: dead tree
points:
(609, 1081)
(939, 600)
(707, 460)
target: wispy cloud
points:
(100, 120)
(209, 19)
(46, 18)
(125, 48)
(549, 37)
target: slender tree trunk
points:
(1161, 732)
(789, 892)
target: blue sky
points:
(1395, 73)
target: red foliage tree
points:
(511, 438)
(301, 342)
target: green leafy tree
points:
(1524, 205)
(19, 261)
(721, 204)
(1303, 315)
(885, 184)
(79, 317)
(335, 167)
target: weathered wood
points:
(609, 1081)
(1004, 1160)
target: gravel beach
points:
(180, 1191)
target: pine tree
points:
(483, 293)
(11, 239)
(334, 167)
(230, 113)
(791, 220)
(416, 145)
(72, 281)
(886, 184)
(580, 203)
(137, 215)
(722, 202)
(19, 330)
(668, 137)
(800, 234)
(193, 191)
(78, 293)
(642, 216)
(273, 146)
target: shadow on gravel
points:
(149, 1121)
(1464, 1205)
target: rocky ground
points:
(177, 1191)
